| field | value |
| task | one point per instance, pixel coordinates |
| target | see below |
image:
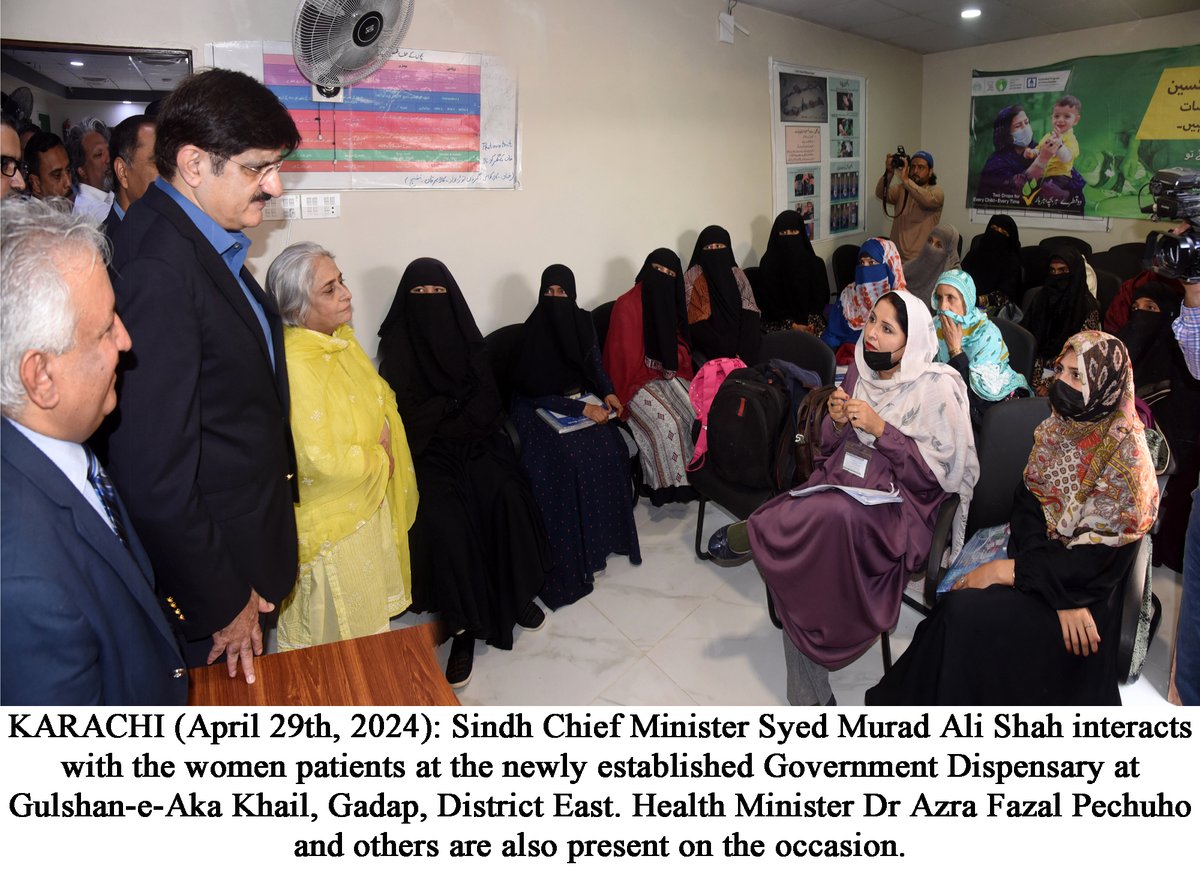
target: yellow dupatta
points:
(339, 406)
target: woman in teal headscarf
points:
(972, 344)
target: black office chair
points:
(1021, 344)
(601, 317)
(845, 258)
(1107, 286)
(1035, 264)
(1122, 264)
(1131, 256)
(1083, 247)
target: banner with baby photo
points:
(1082, 137)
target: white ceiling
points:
(937, 26)
(134, 72)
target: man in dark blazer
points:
(133, 170)
(79, 621)
(200, 445)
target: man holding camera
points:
(909, 185)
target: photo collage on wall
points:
(818, 148)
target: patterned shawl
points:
(872, 281)
(991, 376)
(1094, 477)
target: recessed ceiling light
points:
(971, 13)
(76, 64)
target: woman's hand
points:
(952, 335)
(1080, 635)
(862, 416)
(613, 403)
(385, 440)
(996, 572)
(598, 414)
(836, 405)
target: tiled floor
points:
(678, 631)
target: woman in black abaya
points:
(792, 290)
(722, 313)
(479, 551)
(580, 479)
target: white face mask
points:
(1023, 136)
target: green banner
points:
(1084, 136)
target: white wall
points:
(637, 129)
(947, 104)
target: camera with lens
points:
(899, 158)
(1176, 193)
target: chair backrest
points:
(601, 317)
(1107, 286)
(1005, 442)
(502, 347)
(805, 350)
(845, 257)
(1027, 299)
(1124, 264)
(1081, 246)
(1133, 253)
(1035, 263)
(1021, 344)
(824, 271)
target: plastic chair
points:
(1131, 255)
(1021, 344)
(1083, 247)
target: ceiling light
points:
(76, 64)
(971, 13)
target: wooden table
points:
(396, 668)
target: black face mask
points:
(879, 361)
(1067, 401)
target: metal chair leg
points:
(700, 548)
(886, 645)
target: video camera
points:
(899, 158)
(1176, 193)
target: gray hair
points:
(36, 311)
(289, 280)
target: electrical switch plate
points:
(321, 205)
(285, 207)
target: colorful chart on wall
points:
(426, 119)
(1103, 125)
(818, 124)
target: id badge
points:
(856, 459)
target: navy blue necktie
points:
(108, 495)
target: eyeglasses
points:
(261, 171)
(10, 166)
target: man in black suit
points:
(201, 446)
(131, 148)
(79, 622)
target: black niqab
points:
(1061, 308)
(790, 286)
(664, 310)
(556, 342)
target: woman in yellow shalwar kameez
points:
(358, 490)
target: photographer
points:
(909, 185)
(1185, 668)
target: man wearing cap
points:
(916, 200)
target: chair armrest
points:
(943, 527)
(510, 431)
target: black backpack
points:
(752, 426)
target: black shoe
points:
(532, 618)
(460, 662)
(720, 551)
